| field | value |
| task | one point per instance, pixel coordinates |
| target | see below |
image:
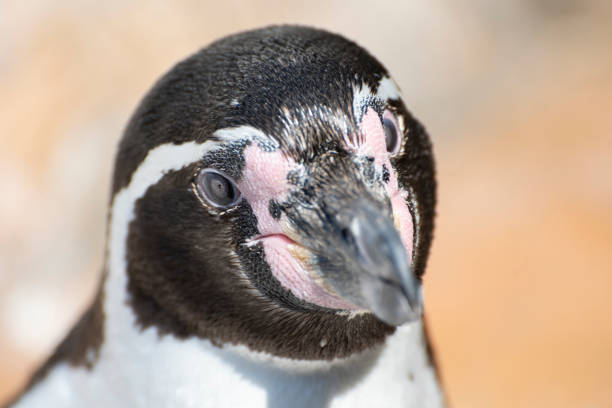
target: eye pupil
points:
(220, 187)
(217, 189)
(391, 135)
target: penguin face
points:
(305, 212)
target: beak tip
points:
(393, 306)
(398, 317)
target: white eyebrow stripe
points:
(245, 132)
(159, 161)
(387, 89)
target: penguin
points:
(270, 220)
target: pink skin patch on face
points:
(264, 178)
(375, 146)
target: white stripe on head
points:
(387, 89)
(361, 94)
(245, 132)
(158, 162)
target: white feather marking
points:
(361, 94)
(415, 211)
(245, 132)
(148, 371)
(387, 89)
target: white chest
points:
(152, 371)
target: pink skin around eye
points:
(375, 145)
(265, 178)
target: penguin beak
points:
(387, 286)
(369, 265)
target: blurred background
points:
(517, 96)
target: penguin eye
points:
(391, 135)
(217, 189)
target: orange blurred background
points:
(517, 96)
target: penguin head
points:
(276, 193)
